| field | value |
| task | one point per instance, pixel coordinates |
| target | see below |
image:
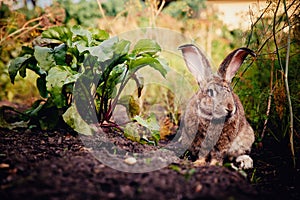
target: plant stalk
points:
(114, 103)
(287, 84)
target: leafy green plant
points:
(82, 69)
(148, 131)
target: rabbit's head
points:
(215, 99)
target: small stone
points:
(198, 187)
(59, 140)
(97, 171)
(130, 160)
(111, 195)
(4, 165)
(51, 140)
(28, 131)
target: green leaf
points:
(48, 114)
(146, 46)
(20, 64)
(35, 108)
(41, 85)
(104, 52)
(55, 81)
(58, 76)
(159, 67)
(60, 33)
(131, 132)
(26, 50)
(22, 71)
(82, 33)
(147, 60)
(72, 78)
(73, 119)
(43, 113)
(10, 126)
(31, 64)
(60, 54)
(175, 167)
(44, 57)
(83, 96)
(114, 78)
(132, 106)
(99, 35)
(150, 123)
(15, 66)
(155, 136)
(121, 48)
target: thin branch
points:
(276, 23)
(269, 100)
(261, 16)
(257, 20)
(274, 36)
(155, 10)
(33, 20)
(101, 10)
(287, 84)
(271, 87)
(103, 14)
(287, 9)
(270, 37)
(160, 8)
(252, 28)
(23, 30)
(28, 30)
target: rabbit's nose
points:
(229, 112)
(229, 109)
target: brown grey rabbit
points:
(214, 123)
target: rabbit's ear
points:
(232, 63)
(196, 63)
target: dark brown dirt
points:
(56, 165)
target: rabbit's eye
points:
(210, 92)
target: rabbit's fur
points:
(214, 123)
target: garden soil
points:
(56, 165)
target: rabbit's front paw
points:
(244, 161)
(199, 162)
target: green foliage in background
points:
(114, 7)
(83, 13)
(185, 8)
(8, 50)
(87, 13)
(19, 27)
(271, 81)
